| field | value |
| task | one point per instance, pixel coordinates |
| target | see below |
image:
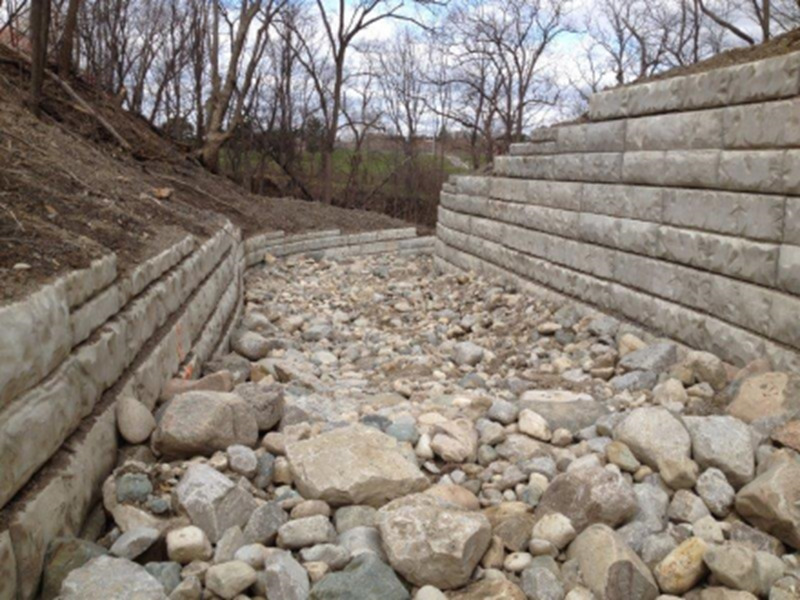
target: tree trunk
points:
(68, 38)
(40, 31)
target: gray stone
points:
(563, 409)
(503, 411)
(250, 344)
(64, 555)
(212, 501)
(266, 401)
(229, 579)
(686, 507)
(771, 502)
(265, 470)
(654, 434)
(263, 525)
(229, 543)
(741, 568)
(348, 517)
(199, 423)
(188, 544)
(609, 568)
(587, 496)
(634, 381)
(134, 542)
(242, 460)
(724, 443)
(133, 487)
(361, 540)
(716, 492)
(167, 573)
(541, 583)
(106, 577)
(134, 421)
(353, 465)
(365, 577)
(655, 357)
(336, 557)
(305, 532)
(283, 577)
(433, 542)
(467, 353)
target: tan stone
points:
(766, 395)
(683, 568)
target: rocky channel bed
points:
(384, 433)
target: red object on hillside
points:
(12, 38)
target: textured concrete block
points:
(624, 234)
(556, 194)
(611, 104)
(791, 172)
(708, 89)
(735, 257)
(692, 168)
(644, 167)
(568, 167)
(528, 167)
(643, 203)
(528, 148)
(85, 319)
(770, 125)
(508, 189)
(757, 217)
(752, 171)
(791, 231)
(678, 131)
(36, 338)
(85, 283)
(656, 97)
(602, 167)
(767, 79)
(789, 269)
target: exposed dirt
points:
(783, 44)
(69, 193)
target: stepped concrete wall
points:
(71, 349)
(677, 206)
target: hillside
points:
(69, 192)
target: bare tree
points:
(67, 49)
(40, 34)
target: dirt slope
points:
(70, 193)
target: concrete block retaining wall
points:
(676, 206)
(74, 347)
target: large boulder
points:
(742, 568)
(771, 501)
(105, 577)
(212, 501)
(64, 555)
(766, 395)
(353, 465)
(202, 423)
(656, 358)
(724, 443)
(610, 569)
(432, 542)
(587, 496)
(653, 434)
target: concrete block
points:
(528, 148)
(656, 97)
(691, 168)
(791, 231)
(678, 131)
(502, 188)
(36, 338)
(61, 504)
(758, 217)
(642, 203)
(791, 176)
(544, 134)
(85, 283)
(768, 79)
(783, 319)
(610, 104)
(556, 194)
(730, 256)
(608, 136)
(527, 167)
(473, 185)
(706, 90)
(602, 167)
(88, 317)
(752, 171)
(770, 125)
(789, 269)
(644, 167)
(568, 167)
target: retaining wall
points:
(71, 349)
(676, 206)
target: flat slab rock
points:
(105, 577)
(564, 409)
(353, 465)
